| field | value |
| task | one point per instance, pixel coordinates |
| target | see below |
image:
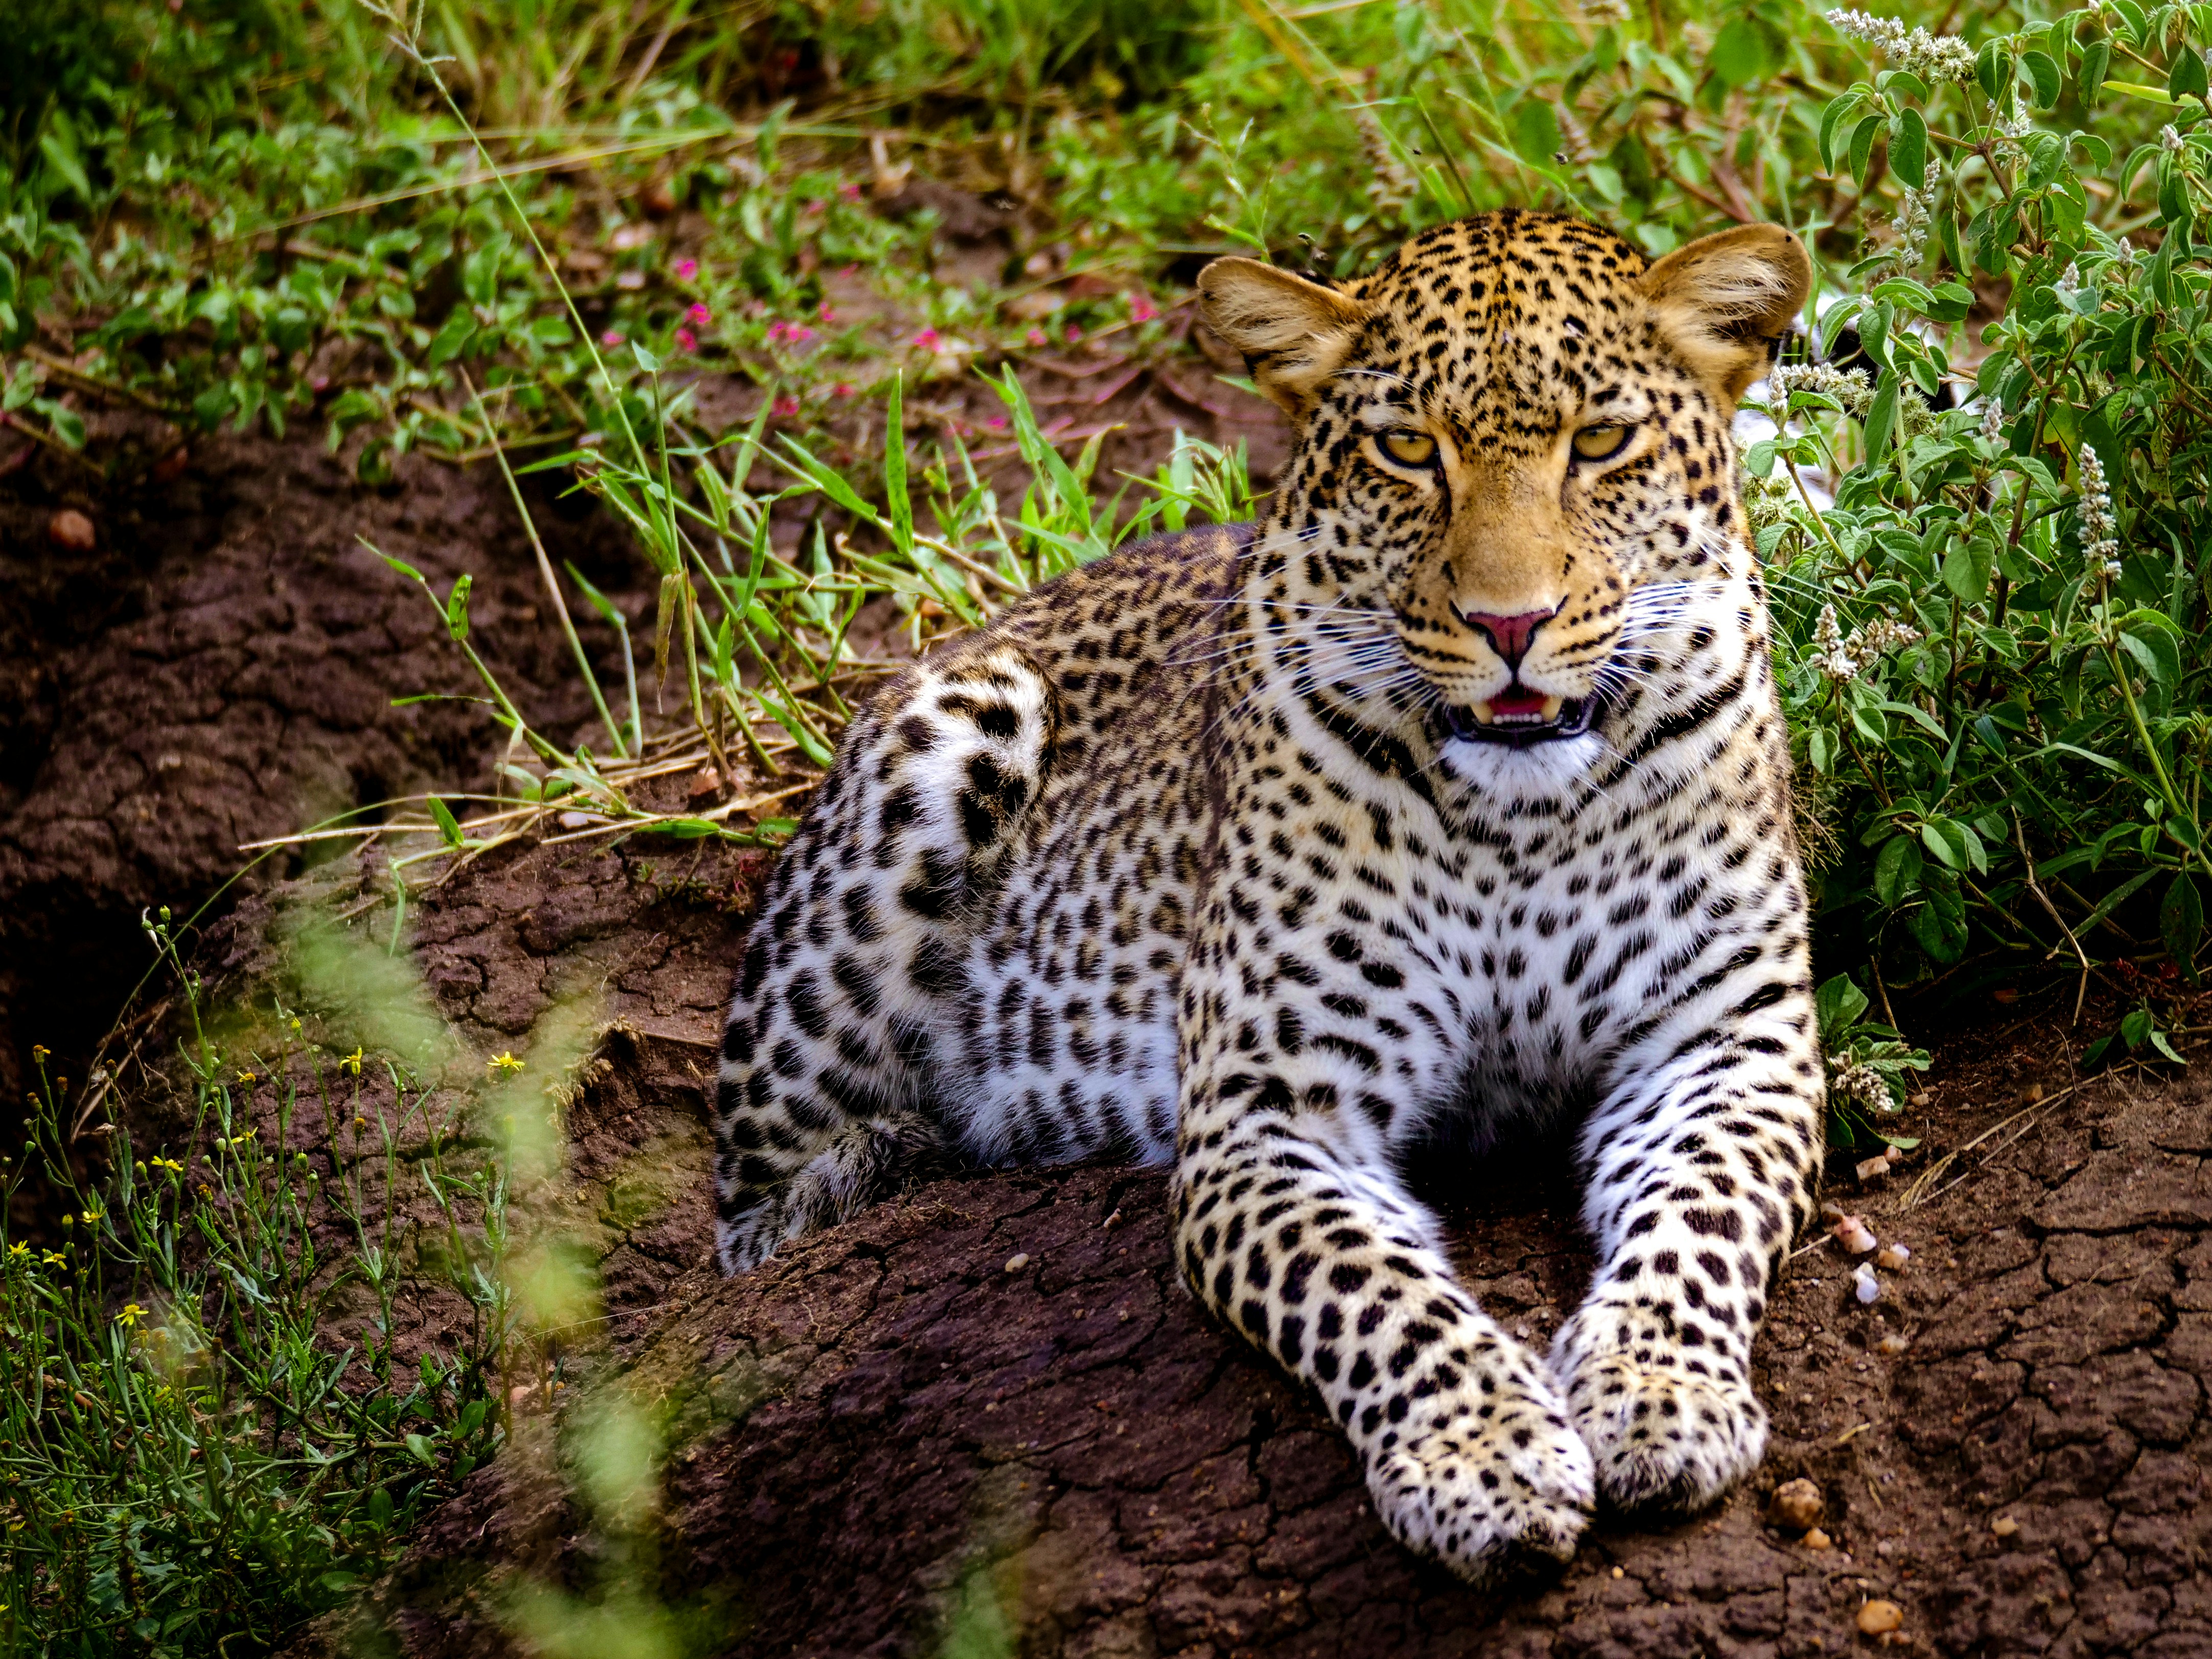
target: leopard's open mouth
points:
(1519, 717)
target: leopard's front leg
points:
(1702, 1167)
(1292, 1226)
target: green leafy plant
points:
(1867, 1062)
(189, 1460)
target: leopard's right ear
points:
(1294, 334)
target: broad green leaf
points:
(1908, 147)
(1881, 417)
(1739, 52)
(2181, 922)
(2090, 77)
(2045, 73)
(448, 826)
(1966, 569)
(1862, 147)
(2185, 79)
(1896, 868)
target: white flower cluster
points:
(2169, 139)
(2100, 531)
(1910, 225)
(1863, 1085)
(1851, 387)
(1932, 57)
(1992, 421)
(1841, 658)
(2070, 281)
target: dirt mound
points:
(220, 667)
(986, 1418)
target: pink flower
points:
(826, 313)
(686, 270)
(1141, 308)
(686, 340)
(842, 389)
(849, 193)
(611, 338)
(817, 205)
(996, 422)
(783, 333)
(785, 404)
(929, 339)
(700, 315)
(1037, 337)
(1074, 334)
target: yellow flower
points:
(351, 1063)
(39, 1052)
(131, 1314)
(54, 1259)
(16, 1252)
(245, 1077)
(91, 1216)
(505, 1063)
(206, 1191)
(168, 1163)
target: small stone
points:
(1892, 1345)
(1865, 1285)
(1617, 1573)
(1919, 1098)
(1854, 1235)
(1872, 1168)
(71, 530)
(1878, 1618)
(2004, 1526)
(1016, 1263)
(1796, 1505)
(704, 783)
(2030, 1095)
(1893, 1257)
(1817, 1540)
(573, 820)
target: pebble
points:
(71, 530)
(1854, 1235)
(1893, 1345)
(1864, 1284)
(1796, 1505)
(573, 820)
(1893, 1257)
(1817, 1540)
(2004, 1526)
(1016, 1263)
(1878, 1618)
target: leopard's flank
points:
(1455, 789)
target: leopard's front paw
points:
(1490, 1477)
(1665, 1427)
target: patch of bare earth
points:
(992, 1394)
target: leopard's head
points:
(1508, 430)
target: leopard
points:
(1448, 798)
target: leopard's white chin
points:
(1549, 767)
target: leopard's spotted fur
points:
(1205, 851)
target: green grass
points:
(527, 236)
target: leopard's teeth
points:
(1551, 706)
(1482, 711)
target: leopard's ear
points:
(1726, 299)
(1294, 334)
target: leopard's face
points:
(1511, 430)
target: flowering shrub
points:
(1996, 642)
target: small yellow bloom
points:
(206, 1191)
(17, 1250)
(246, 1077)
(131, 1314)
(351, 1063)
(506, 1063)
(91, 1216)
(54, 1259)
(168, 1163)
(39, 1054)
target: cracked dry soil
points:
(994, 1386)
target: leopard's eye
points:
(1598, 443)
(1410, 449)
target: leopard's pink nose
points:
(1508, 635)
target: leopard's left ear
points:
(1725, 299)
